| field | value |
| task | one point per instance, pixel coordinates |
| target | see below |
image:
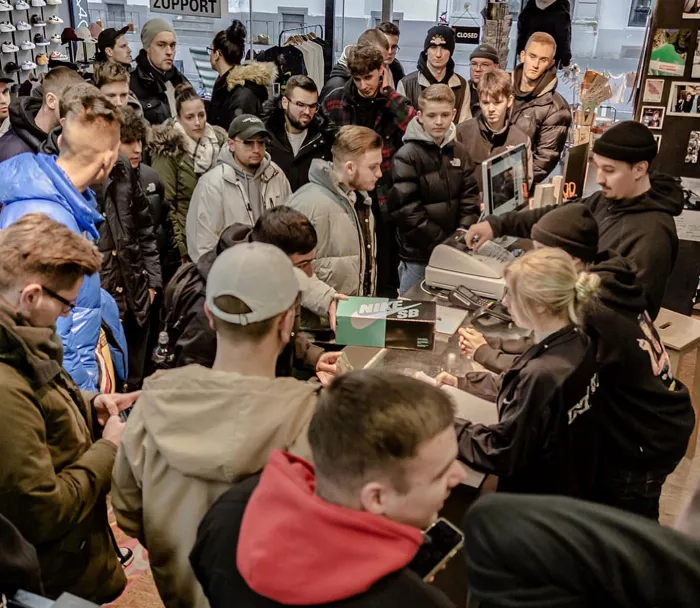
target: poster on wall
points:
(688, 222)
(696, 59)
(693, 149)
(691, 9)
(669, 52)
(684, 99)
(653, 117)
(653, 90)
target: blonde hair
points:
(543, 38)
(351, 141)
(548, 278)
(437, 93)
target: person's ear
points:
(350, 167)
(511, 101)
(29, 297)
(522, 56)
(59, 142)
(210, 317)
(551, 63)
(454, 114)
(286, 324)
(419, 114)
(109, 53)
(51, 101)
(231, 144)
(373, 498)
(285, 103)
(640, 169)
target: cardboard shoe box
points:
(385, 323)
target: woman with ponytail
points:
(546, 438)
(241, 88)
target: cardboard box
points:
(385, 323)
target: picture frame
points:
(684, 100)
(692, 153)
(691, 9)
(654, 90)
(669, 52)
(658, 141)
(653, 117)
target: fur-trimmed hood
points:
(166, 140)
(257, 72)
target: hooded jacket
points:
(35, 184)
(54, 474)
(241, 90)
(317, 144)
(148, 85)
(193, 433)
(339, 76)
(271, 541)
(175, 166)
(546, 439)
(434, 192)
(416, 82)
(389, 114)
(554, 20)
(641, 229)
(482, 143)
(23, 134)
(345, 229)
(197, 343)
(223, 197)
(544, 116)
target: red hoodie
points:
(296, 548)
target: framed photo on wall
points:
(653, 117)
(691, 9)
(653, 90)
(684, 99)
(658, 141)
(669, 52)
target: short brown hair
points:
(374, 37)
(496, 85)
(58, 80)
(109, 72)
(437, 93)
(24, 253)
(389, 28)
(87, 103)
(252, 333)
(364, 59)
(542, 38)
(300, 82)
(370, 422)
(134, 126)
(351, 141)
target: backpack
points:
(182, 292)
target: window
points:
(291, 20)
(639, 12)
(116, 16)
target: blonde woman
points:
(546, 439)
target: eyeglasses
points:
(252, 143)
(311, 107)
(69, 305)
(394, 48)
(480, 67)
(210, 49)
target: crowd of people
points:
(160, 255)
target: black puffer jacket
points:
(545, 117)
(434, 192)
(242, 90)
(153, 188)
(148, 84)
(128, 242)
(23, 134)
(338, 77)
(316, 145)
(554, 20)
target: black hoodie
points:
(554, 20)
(23, 134)
(340, 74)
(641, 229)
(647, 417)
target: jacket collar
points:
(277, 128)
(564, 335)
(546, 84)
(321, 173)
(265, 172)
(453, 82)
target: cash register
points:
(453, 263)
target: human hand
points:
(478, 234)
(470, 341)
(333, 308)
(114, 429)
(445, 379)
(106, 403)
(326, 368)
(152, 294)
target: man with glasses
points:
(392, 33)
(297, 130)
(483, 59)
(244, 183)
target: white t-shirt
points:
(297, 140)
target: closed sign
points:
(467, 35)
(194, 8)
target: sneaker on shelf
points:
(56, 39)
(54, 2)
(54, 20)
(28, 65)
(11, 67)
(42, 59)
(8, 47)
(21, 5)
(5, 5)
(58, 56)
(38, 3)
(23, 26)
(37, 21)
(39, 40)
(27, 45)
(6, 27)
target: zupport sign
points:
(466, 35)
(193, 8)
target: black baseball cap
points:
(108, 38)
(5, 77)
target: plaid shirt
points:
(396, 112)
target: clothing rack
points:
(315, 29)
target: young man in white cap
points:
(155, 77)
(197, 431)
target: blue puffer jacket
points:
(35, 184)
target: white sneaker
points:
(5, 5)
(55, 19)
(21, 5)
(56, 39)
(28, 65)
(58, 56)
(27, 45)
(38, 3)
(8, 47)
(23, 26)
(6, 27)
(54, 2)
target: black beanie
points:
(570, 227)
(629, 141)
(441, 35)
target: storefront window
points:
(639, 12)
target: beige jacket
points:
(192, 434)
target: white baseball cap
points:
(259, 275)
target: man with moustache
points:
(297, 130)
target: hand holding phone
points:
(442, 541)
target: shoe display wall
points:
(21, 5)
(5, 6)
(8, 47)
(37, 21)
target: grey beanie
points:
(152, 28)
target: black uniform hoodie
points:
(641, 229)
(23, 134)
